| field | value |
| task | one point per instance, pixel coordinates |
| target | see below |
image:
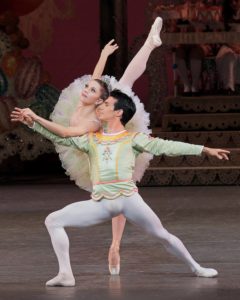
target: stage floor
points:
(205, 218)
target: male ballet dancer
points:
(112, 154)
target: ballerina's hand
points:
(18, 116)
(109, 48)
(25, 112)
(30, 113)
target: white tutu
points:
(76, 162)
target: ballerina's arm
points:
(106, 51)
(60, 130)
(80, 142)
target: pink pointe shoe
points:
(114, 261)
(153, 38)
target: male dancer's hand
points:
(18, 115)
(218, 153)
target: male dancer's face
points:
(106, 111)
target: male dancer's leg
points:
(139, 213)
(134, 70)
(79, 214)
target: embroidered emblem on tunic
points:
(107, 154)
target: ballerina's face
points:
(91, 93)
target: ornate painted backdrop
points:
(23, 79)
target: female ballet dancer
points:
(73, 117)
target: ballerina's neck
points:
(85, 109)
(80, 115)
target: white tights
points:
(137, 65)
(90, 212)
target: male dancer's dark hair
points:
(125, 103)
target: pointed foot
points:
(153, 38)
(114, 260)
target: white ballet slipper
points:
(61, 280)
(206, 272)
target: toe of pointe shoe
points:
(157, 26)
(160, 22)
(206, 272)
(114, 270)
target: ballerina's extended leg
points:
(134, 70)
(138, 64)
(118, 224)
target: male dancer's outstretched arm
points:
(156, 146)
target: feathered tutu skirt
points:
(75, 162)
